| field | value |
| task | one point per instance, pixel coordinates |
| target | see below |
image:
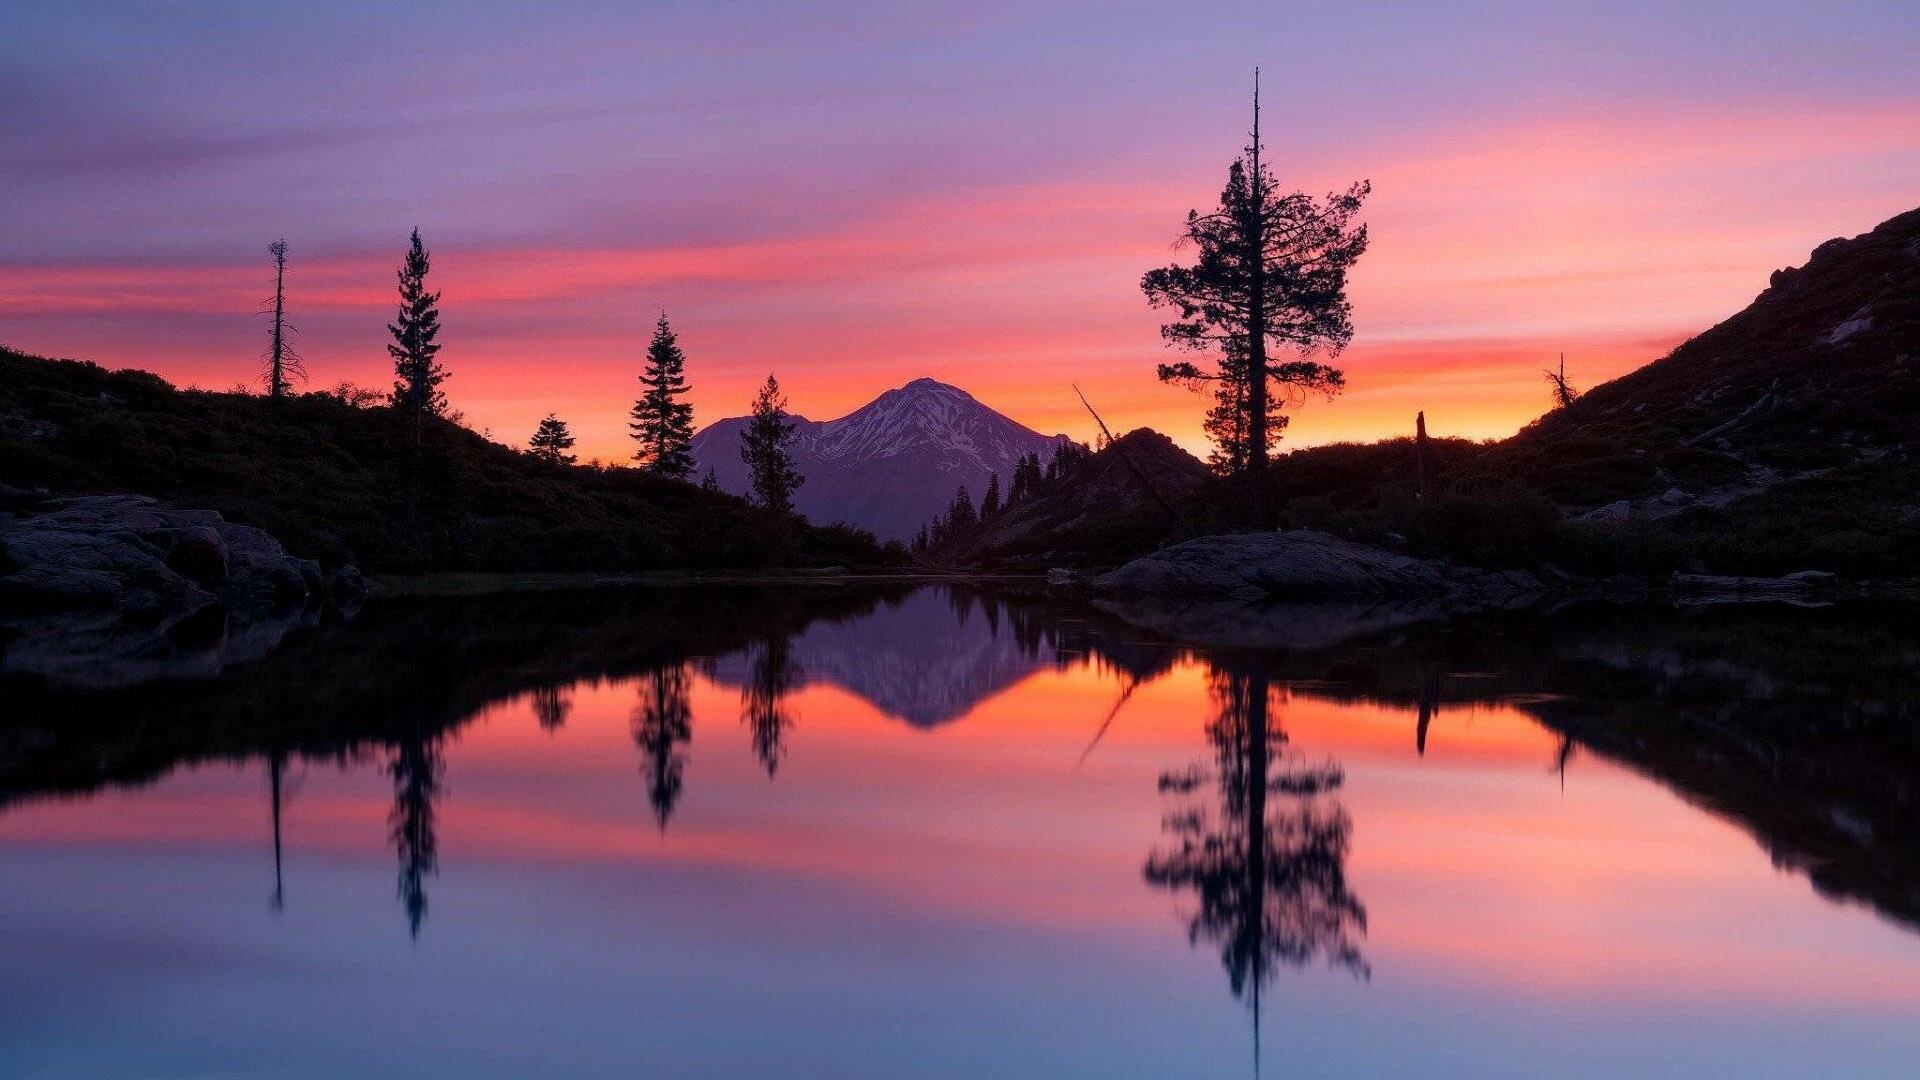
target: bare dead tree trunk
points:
(1423, 455)
(277, 360)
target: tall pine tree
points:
(764, 446)
(1270, 276)
(662, 423)
(960, 512)
(418, 374)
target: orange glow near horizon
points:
(1607, 237)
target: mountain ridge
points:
(891, 464)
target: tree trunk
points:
(1423, 454)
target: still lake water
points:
(953, 833)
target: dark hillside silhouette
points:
(331, 481)
(1780, 440)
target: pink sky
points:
(855, 203)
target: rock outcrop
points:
(105, 590)
(1295, 590)
(1303, 565)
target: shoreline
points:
(480, 583)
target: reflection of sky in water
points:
(960, 901)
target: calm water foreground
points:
(951, 833)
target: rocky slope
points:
(1130, 489)
(892, 464)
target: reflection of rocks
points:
(1237, 624)
(1304, 565)
(1794, 724)
(117, 589)
(922, 660)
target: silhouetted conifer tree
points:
(662, 423)
(551, 441)
(710, 481)
(764, 446)
(990, 502)
(1026, 477)
(960, 513)
(1270, 273)
(418, 374)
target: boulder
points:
(1302, 565)
(1612, 513)
(114, 589)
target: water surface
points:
(951, 833)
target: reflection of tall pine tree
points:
(662, 727)
(417, 769)
(1267, 866)
(551, 704)
(763, 701)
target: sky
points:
(853, 195)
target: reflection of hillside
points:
(402, 669)
(1799, 726)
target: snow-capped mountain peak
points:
(893, 463)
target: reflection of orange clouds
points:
(1475, 865)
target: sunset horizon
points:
(959, 541)
(1589, 217)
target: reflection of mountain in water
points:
(927, 659)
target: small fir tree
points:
(990, 502)
(417, 372)
(551, 441)
(662, 423)
(960, 513)
(765, 447)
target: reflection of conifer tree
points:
(1267, 868)
(417, 769)
(551, 704)
(1027, 634)
(662, 726)
(962, 603)
(763, 704)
